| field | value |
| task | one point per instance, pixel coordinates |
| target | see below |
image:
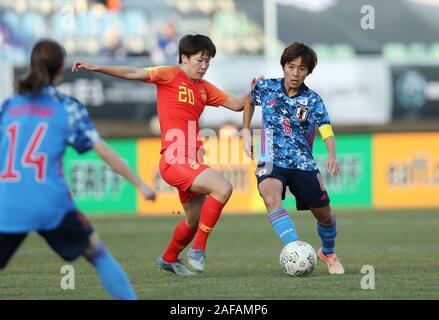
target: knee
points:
(223, 192)
(326, 219)
(272, 202)
(92, 246)
(228, 189)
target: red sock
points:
(210, 213)
(183, 235)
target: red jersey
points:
(180, 103)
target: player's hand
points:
(248, 144)
(83, 65)
(148, 193)
(254, 81)
(332, 166)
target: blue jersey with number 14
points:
(35, 130)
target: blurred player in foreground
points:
(182, 95)
(290, 113)
(36, 126)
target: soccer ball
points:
(298, 259)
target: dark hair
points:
(193, 44)
(298, 49)
(46, 59)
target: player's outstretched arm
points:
(249, 109)
(116, 163)
(238, 103)
(129, 73)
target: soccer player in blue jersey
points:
(290, 114)
(36, 126)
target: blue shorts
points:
(69, 240)
(307, 186)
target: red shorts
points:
(181, 174)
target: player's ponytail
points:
(46, 60)
(35, 80)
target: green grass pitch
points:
(242, 260)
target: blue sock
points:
(283, 225)
(327, 235)
(112, 275)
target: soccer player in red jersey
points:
(182, 95)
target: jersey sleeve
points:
(215, 96)
(82, 134)
(322, 119)
(321, 116)
(256, 93)
(161, 75)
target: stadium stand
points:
(147, 32)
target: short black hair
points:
(193, 44)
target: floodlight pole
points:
(270, 29)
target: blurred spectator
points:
(111, 5)
(114, 5)
(11, 48)
(166, 51)
(6, 36)
(113, 46)
(9, 23)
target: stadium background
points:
(380, 86)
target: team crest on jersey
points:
(301, 113)
(194, 166)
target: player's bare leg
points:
(271, 191)
(218, 190)
(192, 209)
(326, 228)
(211, 182)
(323, 215)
